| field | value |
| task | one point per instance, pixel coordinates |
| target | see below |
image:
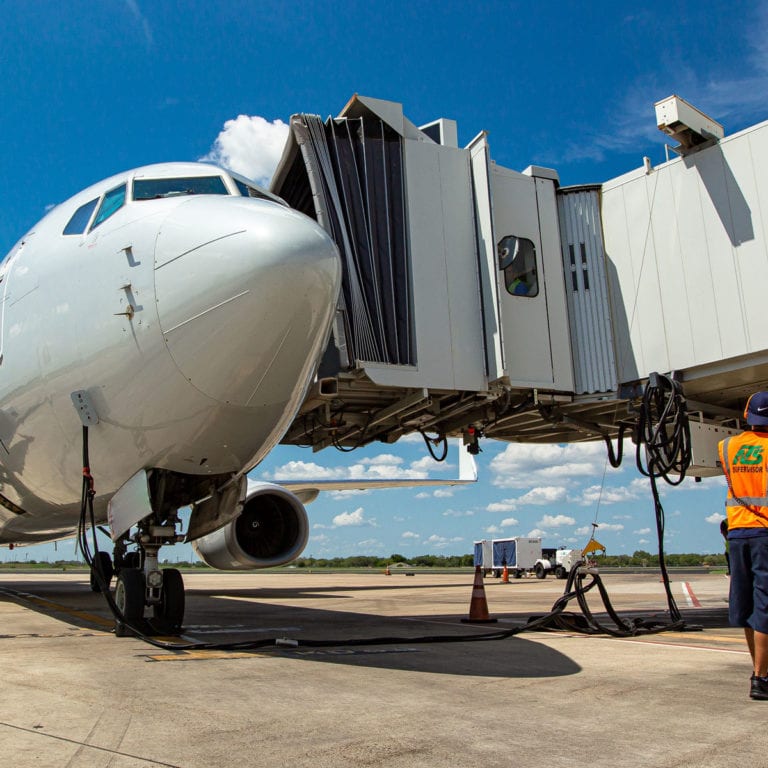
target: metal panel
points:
(524, 319)
(551, 262)
(586, 290)
(687, 244)
(480, 160)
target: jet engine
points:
(272, 530)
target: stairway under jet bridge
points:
(480, 300)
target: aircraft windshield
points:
(151, 189)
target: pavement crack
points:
(37, 732)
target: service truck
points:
(557, 561)
(518, 554)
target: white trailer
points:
(518, 554)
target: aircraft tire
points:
(129, 598)
(540, 572)
(169, 613)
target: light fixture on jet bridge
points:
(686, 124)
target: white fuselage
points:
(194, 323)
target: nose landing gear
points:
(142, 583)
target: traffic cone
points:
(478, 606)
(505, 575)
(386, 571)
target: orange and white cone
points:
(386, 571)
(505, 575)
(478, 605)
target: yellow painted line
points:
(688, 636)
(49, 605)
(203, 655)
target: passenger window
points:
(517, 259)
(80, 218)
(112, 202)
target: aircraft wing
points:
(308, 490)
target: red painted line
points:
(692, 599)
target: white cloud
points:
(428, 464)
(459, 513)
(440, 542)
(423, 495)
(596, 493)
(387, 459)
(555, 521)
(715, 518)
(250, 145)
(356, 518)
(443, 493)
(341, 495)
(542, 495)
(409, 535)
(370, 544)
(642, 531)
(509, 521)
(524, 465)
(382, 467)
(587, 529)
(306, 470)
(506, 505)
(536, 533)
(133, 6)
(493, 530)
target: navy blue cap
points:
(756, 412)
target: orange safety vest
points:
(744, 459)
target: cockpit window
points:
(248, 191)
(151, 189)
(112, 202)
(80, 218)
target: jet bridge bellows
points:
(480, 300)
(354, 170)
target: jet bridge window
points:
(111, 203)
(517, 259)
(152, 189)
(80, 218)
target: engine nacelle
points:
(272, 530)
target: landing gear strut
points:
(141, 582)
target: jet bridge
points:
(480, 300)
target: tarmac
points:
(75, 695)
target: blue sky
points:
(91, 89)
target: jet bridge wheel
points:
(130, 594)
(169, 612)
(102, 562)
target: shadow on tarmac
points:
(239, 621)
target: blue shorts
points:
(748, 602)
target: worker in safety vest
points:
(744, 460)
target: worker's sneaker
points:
(758, 688)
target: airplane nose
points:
(245, 289)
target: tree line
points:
(638, 559)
